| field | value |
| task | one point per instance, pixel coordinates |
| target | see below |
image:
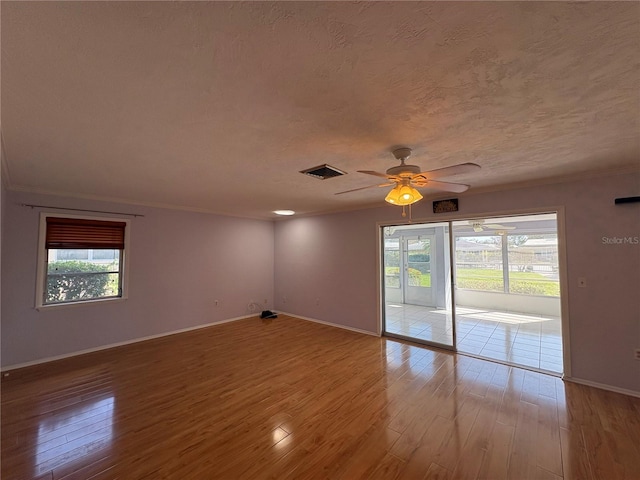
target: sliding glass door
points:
(417, 283)
(487, 287)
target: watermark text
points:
(621, 240)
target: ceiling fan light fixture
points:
(403, 195)
(407, 177)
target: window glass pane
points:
(533, 264)
(392, 262)
(479, 263)
(70, 278)
(419, 262)
(72, 254)
(109, 255)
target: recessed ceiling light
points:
(284, 212)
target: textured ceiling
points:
(217, 106)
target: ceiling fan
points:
(406, 178)
(479, 226)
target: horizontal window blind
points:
(77, 233)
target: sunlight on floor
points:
(506, 317)
(514, 338)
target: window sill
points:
(56, 306)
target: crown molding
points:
(632, 169)
(121, 201)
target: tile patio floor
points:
(507, 337)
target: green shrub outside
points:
(525, 283)
(422, 267)
(67, 285)
(416, 277)
(530, 287)
(486, 284)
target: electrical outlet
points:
(284, 299)
(582, 282)
(637, 353)
(266, 301)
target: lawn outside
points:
(525, 283)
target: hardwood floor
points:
(290, 399)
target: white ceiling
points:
(217, 106)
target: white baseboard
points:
(337, 325)
(603, 386)
(119, 344)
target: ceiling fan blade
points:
(378, 174)
(499, 227)
(449, 171)
(364, 188)
(444, 186)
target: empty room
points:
(320, 240)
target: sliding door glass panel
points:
(507, 290)
(417, 283)
(392, 275)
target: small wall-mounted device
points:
(621, 200)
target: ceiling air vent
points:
(323, 172)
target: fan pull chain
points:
(404, 212)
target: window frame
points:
(42, 259)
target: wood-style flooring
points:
(291, 399)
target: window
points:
(81, 259)
(519, 257)
(479, 263)
(533, 264)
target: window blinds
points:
(77, 233)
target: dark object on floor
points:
(268, 314)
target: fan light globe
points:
(393, 197)
(403, 195)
